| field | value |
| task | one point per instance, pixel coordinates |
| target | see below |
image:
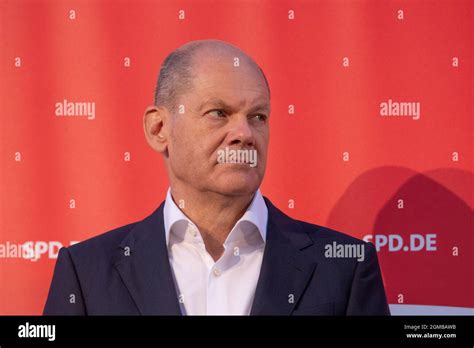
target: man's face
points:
(229, 107)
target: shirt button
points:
(217, 272)
(193, 231)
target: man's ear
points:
(154, 121)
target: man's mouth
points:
(237, 156)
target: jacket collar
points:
(143, 264)
(256, 214)
(286, 268)
(142, 261)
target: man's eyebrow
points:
(216, 102)
(222, 104)
(260, 107)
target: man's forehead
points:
(218, 80)
(249, 89)
(226, 66)
(217, 76)
(235, 102)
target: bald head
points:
(225, 103)
(180, 68)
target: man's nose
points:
(241, 133)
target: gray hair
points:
(176, 73)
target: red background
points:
(336, 110)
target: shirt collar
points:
(256, 214)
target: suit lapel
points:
(143, 263)
(286, 269)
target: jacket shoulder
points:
(313, 231)
(101, 245)
(317, 232)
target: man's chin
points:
(237, 185)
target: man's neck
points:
(214, 214)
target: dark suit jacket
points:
(98, 276)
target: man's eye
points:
(217, 113)
(261, 117)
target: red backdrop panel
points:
(404, 183)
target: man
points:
(215, 246)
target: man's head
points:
(210, 96)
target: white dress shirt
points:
(224, 287)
